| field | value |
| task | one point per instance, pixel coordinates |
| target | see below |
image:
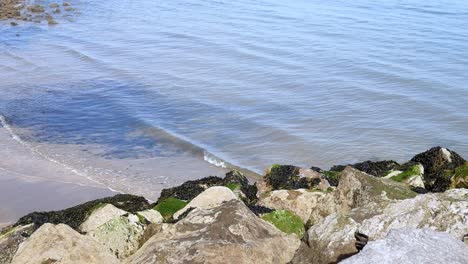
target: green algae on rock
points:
(459, 177)
(286, 221)
(169, 207)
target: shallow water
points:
(144, 93)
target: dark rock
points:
(419, 190)
(260, 210)
(333, 177)
(285, 177)
(76, 215)
(361, 240)
(435, 162)
(190, 189)
(376, 168)
(250, 192)
(235, 176)
(317, 169)
(14, 24)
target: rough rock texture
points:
(211, 197)
(152, 216)
(121, 235)
(376, 168)
(412, 175)
(61, 244)
(76, 215)
(310, 206)
(190, 189)
(230, 233)
(288, 177)
(436, 161)
(100, 216)
(11, 238)
(408, 246)
(334, 238)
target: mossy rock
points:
(460, 177)
(405, 175)
(285, 221)
(333, 177)
(233, 186)
(76, 215)
(169, 207)
(285, 177)
(190, 189)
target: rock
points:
(334, 239)
(121, 235)
(13, 24)
(36, 9)
(100, 216)
(412, 175)
(11, 238)
(367, 194)
(76, 215)
(329, 242)
(310, 206)
(56, 10)
(61, 244)
(168, 207)
(68, 9)
(230, 233)
(152, 216)
(446, 212)
(54, 5)
(407, 246)
(333, 177)
(376, 168)
(235, 176)
(459, 178)
(290, 177)
(211, 197)
(51, 21)
(66, 4)
(435, 162)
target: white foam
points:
(210, 158)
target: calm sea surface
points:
(140, 95)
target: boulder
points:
(11, 238)
(435, 162)
(76, 215)
(121, 235)
(152, 216)
(230, 233)
(100, 216)
(311, 206)
(407, 246)
(190, 189)
(212, 197)
(375, 168)
(334, 238)
(61, 244)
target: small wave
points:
(5, 124)
(210, 158)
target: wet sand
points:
(29, 182)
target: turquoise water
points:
(240, 83)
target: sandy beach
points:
(29, 182)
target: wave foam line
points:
(18, 139)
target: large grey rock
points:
(100, 216)
(229, 233)
(372, 207)
(408, 246)
(61, 244)
(151, 216)
(211, 197)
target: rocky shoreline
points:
(369, 212)
(19, 10)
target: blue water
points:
(249, 82)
